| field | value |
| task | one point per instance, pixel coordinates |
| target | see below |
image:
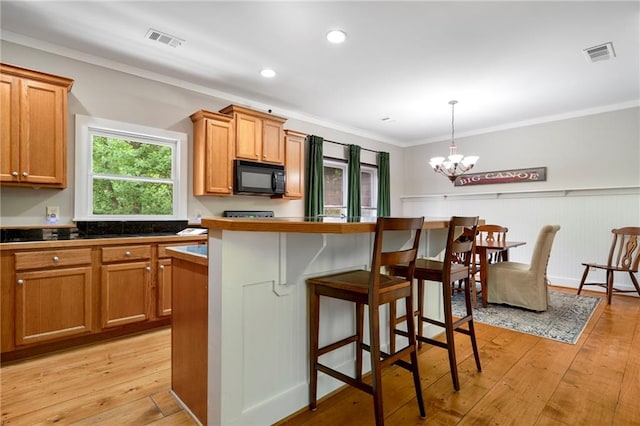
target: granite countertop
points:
(92, 230)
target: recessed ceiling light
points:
(268, 73)
(336, 36)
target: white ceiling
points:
(505, 62)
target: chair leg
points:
(634, 280)
(420, 330)
(584, 278)
(609, 286)
(314, 328)
(472, 330)
(393, 322)
(414, 355)
(448, 329)
(376, 373)
(359, 342)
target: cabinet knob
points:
(55, 258)
(161, 266)
(14, 174)
(257, 155)
(264, 156)
(127, 253)
(25, 174)
(148, 268)
(20, 282)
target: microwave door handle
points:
(274, 181)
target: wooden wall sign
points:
(536, 174)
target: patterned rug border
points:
(565, 320)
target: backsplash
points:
(101, 228)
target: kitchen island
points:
(257, 350)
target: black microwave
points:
(251, 177)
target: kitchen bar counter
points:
(325, 225)
(257, 354)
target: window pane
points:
(366, 185)
(121, 157)
(333, 186)
(118, 197)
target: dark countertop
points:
(92, 230)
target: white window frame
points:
(87, 126)
(364, 168)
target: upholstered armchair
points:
(520, 284)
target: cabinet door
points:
(294, 164)
(164, 287)
(219, 153)
(43, 133)
(248, 137)
(272, 142)
(125, 293)
(52, 304)
(9, 128)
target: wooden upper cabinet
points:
(294, 164)
(259, 136)
(33, 128)
(213, 154)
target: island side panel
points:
(189, 335)
(258, 350)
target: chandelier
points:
(455, 164)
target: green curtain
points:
(314, 191)
(354, 208)
(384, 187)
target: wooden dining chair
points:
(374, 289)
(488, 233)
(457, 265)
(493, 233)
(624, 256)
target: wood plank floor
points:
(526, 380)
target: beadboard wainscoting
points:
(586, 217)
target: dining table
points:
(483, 249)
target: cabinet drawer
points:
(124, 253)
(52, 258)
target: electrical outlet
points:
(53, 212)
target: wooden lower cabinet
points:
(125, 293)
(55, 295)
(189, 335)
(51, 304)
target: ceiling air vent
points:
(603, 52)
(163, 38)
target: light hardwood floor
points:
(526, 380)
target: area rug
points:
(565, 320)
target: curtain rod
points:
(346, 144)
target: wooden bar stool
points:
(374, 289)
(457, 265)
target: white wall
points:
(106, 93)
(592, 186)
